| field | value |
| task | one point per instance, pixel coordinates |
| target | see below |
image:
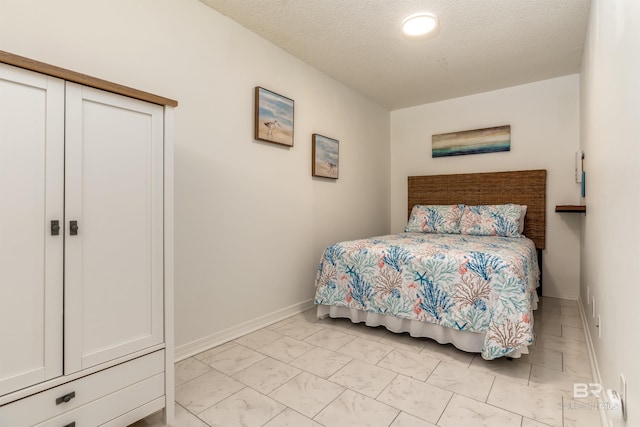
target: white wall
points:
(251, 222)
(610, 110)
(544, 119)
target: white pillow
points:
(523, 212)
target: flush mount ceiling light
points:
(419, 25)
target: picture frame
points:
(274, 115)
(325, 153)
(477, 141)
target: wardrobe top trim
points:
(52, 70)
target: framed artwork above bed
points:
(477, 141)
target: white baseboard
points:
(595, 371)
(187, 350)
(561, 296)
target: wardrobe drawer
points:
(51, 403)
(111, 406)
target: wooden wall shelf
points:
(571, 208)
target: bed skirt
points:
(471, 342)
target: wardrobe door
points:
(31, 196)
(114, 226)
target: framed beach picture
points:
(324, 156)
(478, 141)
(273, 117)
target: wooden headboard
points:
(493, 188)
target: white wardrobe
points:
(85, 250)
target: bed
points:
(454, 285)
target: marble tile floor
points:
(305, 371)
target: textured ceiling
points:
(481, 45)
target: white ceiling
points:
(481, 45)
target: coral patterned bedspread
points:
(481, 284)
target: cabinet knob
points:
(66, 398)
(55, 227)
(73, 228)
